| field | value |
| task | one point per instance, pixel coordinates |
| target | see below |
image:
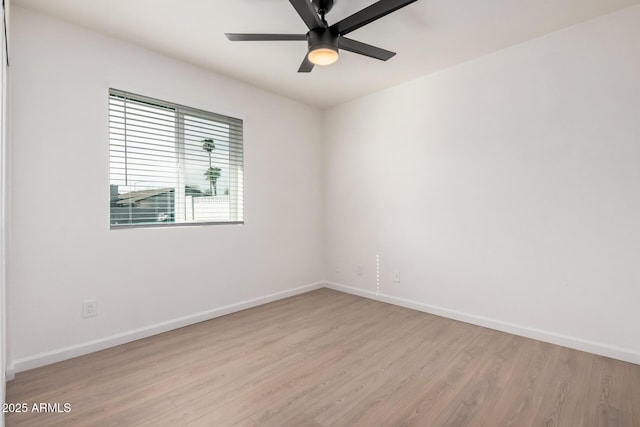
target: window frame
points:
(235, 149)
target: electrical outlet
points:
(360, 269)
(396, 276)
(89, 308)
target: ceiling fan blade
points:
(364, 49)
(367, 15)
(306, 66)
(308, 13)
(235, 37)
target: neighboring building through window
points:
(171, 164)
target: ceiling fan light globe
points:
(323, 56)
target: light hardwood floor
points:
(331, 359)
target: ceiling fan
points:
(324, 40)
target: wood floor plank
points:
(558, 405)
(632, 392)
(481, 390)
(252, 393)
(439, 386)
(318, 398)
(602, 413)
(522, 394)
(469, 391)
(327, 358)
(360, 391)
(392, 398)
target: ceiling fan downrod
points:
(323, 7)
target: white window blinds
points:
(171, 164)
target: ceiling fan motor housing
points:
(322, 38)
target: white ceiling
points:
(428, 35)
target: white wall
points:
(505, 190)
(63, 251)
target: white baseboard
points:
(537, 334)
(60, 354)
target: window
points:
(172, 165)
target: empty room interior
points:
(320, 213)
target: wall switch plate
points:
(89, 308)
(396, 276)
(360, 270)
